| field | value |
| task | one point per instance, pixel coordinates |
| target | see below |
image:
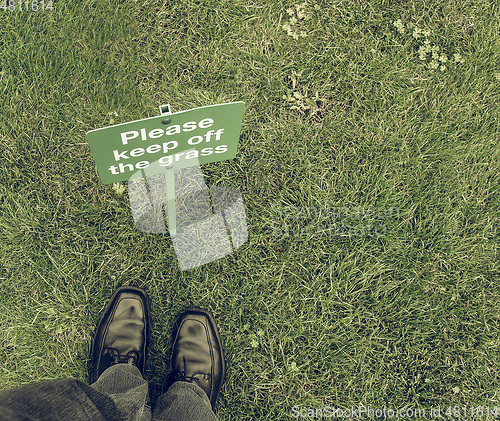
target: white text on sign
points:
(166, 147)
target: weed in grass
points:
(298, 16)
(293, 367)
(254, 342)
(112, 115)
(428, 51)
(302, 100)
(119, 188)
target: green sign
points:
(187, 138)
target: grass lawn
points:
(369, 168)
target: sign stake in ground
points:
(169, 182)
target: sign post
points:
(169, 185)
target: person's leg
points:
(183, 401)
(120, 393)
(198, 370)
(124, 384)
(118, 353)
(118, 390)
(66, 399)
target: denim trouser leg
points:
(183, 401)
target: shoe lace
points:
(180, 375)
(132, 357)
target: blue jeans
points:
(120, 393)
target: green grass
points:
(407, 318)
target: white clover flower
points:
(118, 188)
(433, 64)
(437, 58)
(422, 52)
(400, 26)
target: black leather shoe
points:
(122, 335)
(197, 354)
